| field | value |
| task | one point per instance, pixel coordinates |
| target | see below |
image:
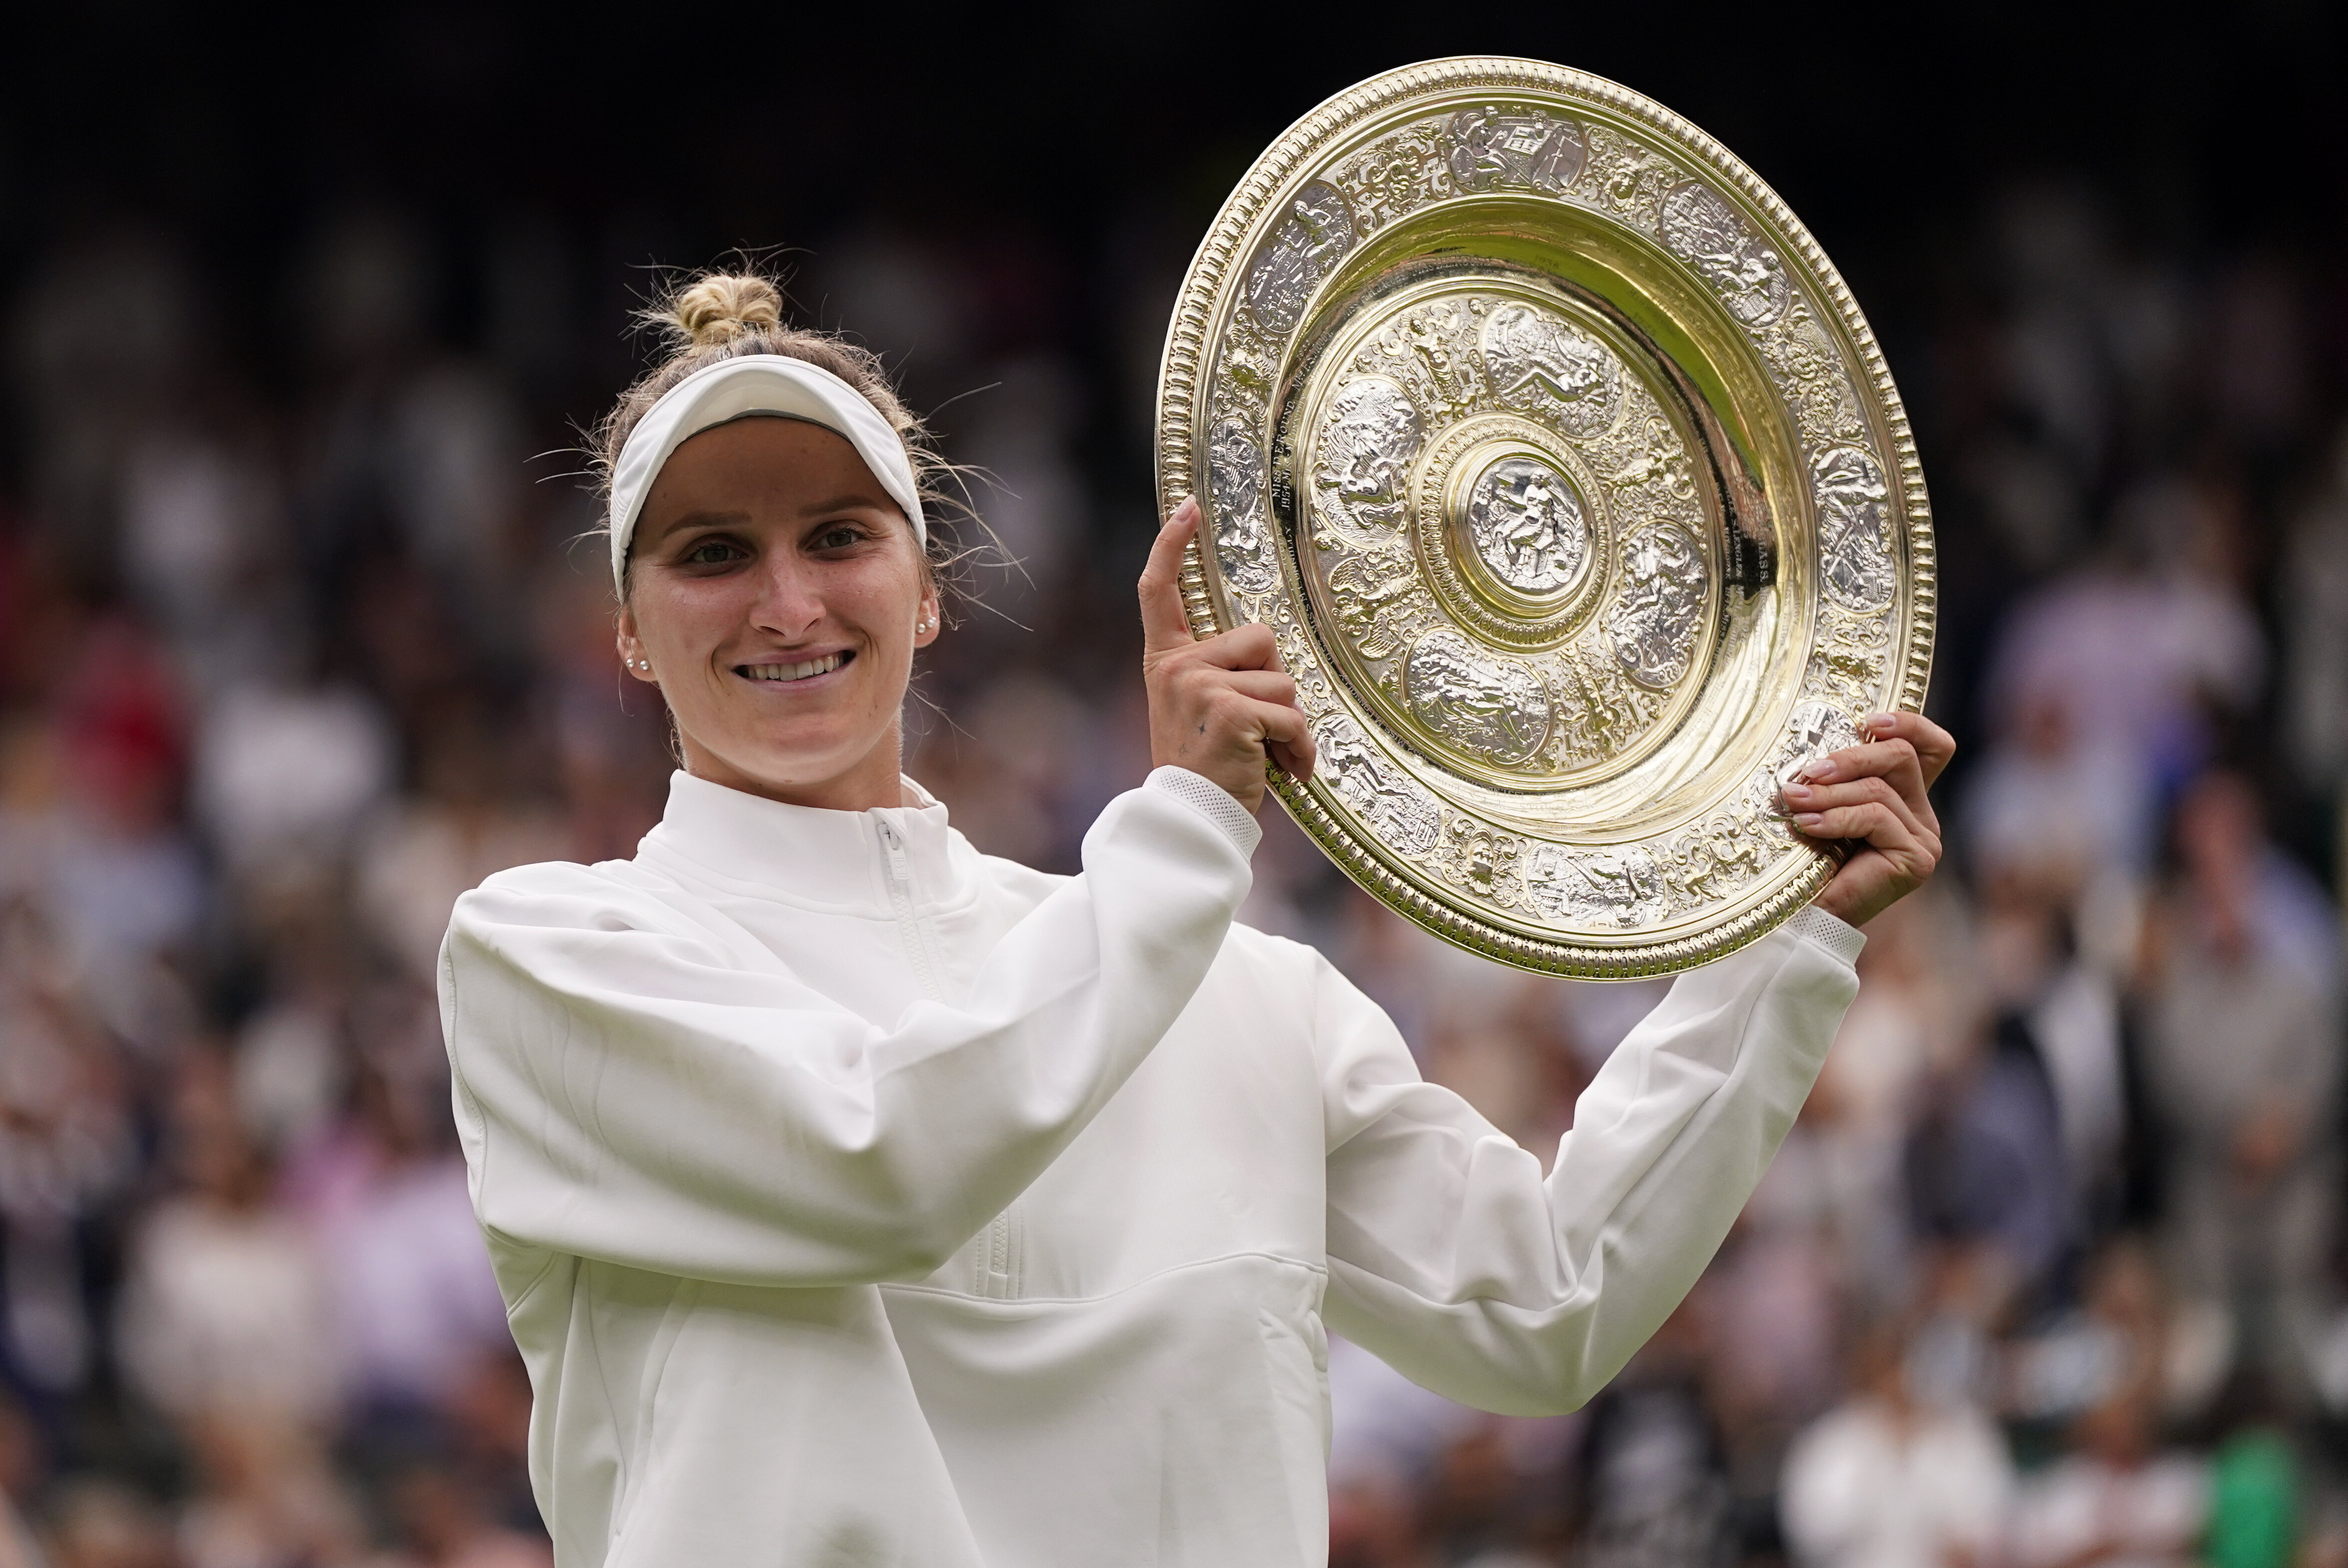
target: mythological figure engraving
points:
(1698, 222)
(1403, 816)
(1541, 364)
(1854, 541)
(1304, 249)
(1527, 525)
(1494, 148)
(1654, 623)
(1235, 484)
(1368, 438)
(1596, 887)
(1480, 703)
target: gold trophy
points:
(1568, 475)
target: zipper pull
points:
(898, 866)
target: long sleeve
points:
(628, 1092)
(1452, 1258)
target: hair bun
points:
(718, 307)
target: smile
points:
(805, 670)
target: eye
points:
(711, 553)
(837, 536)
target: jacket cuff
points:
(1212, 801)
(1843, 941)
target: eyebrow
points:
(844, 503)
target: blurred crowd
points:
(296, 645)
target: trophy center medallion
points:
(1526, 525)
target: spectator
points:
(1891, 1481)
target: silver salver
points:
(1570, 480)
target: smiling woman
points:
(861, 1199)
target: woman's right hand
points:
(1218, 706)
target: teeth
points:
(798, 671)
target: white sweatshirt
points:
(858, 1199)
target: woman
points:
(859, 1198)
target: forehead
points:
(761, 463)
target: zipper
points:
(901, 904)
(994, 1268)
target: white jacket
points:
(858, 1199)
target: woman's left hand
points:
(1874, 794)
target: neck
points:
(874, 781)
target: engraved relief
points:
(1431, 352)
(1654, 623)
(1402, 817)
(1543, 365)
(1854, 539)
(1527, 526)
(1378, 599)
(1396, 175)
(1367, 440)
(1235, 484)
(1481, 703)
(1627, 178)
(1478, 860)
(1492, 150)
(1713, 859)
(1302, 251)
(1699, 225)
(1619, 887)
(1815, 729)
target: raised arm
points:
(1455, 1261)
(1450, 1255)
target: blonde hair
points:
(723, 315)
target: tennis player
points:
(861, 1199)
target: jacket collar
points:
(807, 855)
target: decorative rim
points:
(1180, 406)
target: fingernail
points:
(1885, 722)
(1809, 821)
(1821, 770)
(1798, 791)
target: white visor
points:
(748, 384)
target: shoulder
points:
(563, 903)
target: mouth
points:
(799, 670)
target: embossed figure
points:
(1854, 544)
(1235, 483)
(1698, 222)
(1542, 364)
(1528, 526)
(1406, 819)
(1492, 706)
(1492, 148)
(1653, 624)
(1304, 249)
(1594, 888)
(1368, 438)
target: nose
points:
(789, 603)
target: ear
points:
(633, 657)
(928, 621)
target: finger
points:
(1272, 721)
(1249, 647)
(1934, 746)
(1295, 757)
(1892, 761)
(1875, 823)
(1263, 685)
(1163, 622)
(1869, 791)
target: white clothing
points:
(1861, 1493)
(2148, 1517)
(830, 1235)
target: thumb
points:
(1163, 622)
